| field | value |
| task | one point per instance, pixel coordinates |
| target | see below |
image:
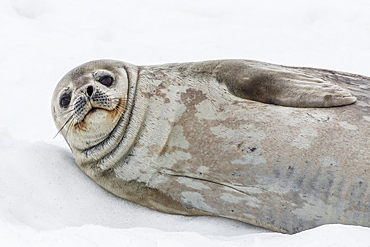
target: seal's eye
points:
(106, 80)
(65, 100)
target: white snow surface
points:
(45, 200)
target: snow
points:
(45, 200)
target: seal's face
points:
(88, 102)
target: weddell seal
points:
(279, 147)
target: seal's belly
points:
(287, 169)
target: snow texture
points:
(45, 200)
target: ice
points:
(45, 200)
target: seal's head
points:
(89, 101)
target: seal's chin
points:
(94, 128)
(97, 119)
(94, 125)
(93, 110)
(82, 124)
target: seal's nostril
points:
(89, 90)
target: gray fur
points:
(217, 138)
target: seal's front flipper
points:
(280, 85)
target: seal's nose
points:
(89, 90)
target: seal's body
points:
(261, 143)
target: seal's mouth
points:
(92, 110)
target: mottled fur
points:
(261, 143)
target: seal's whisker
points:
(69, 120)
(65, 113)
(119, 109)
(70, 124)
